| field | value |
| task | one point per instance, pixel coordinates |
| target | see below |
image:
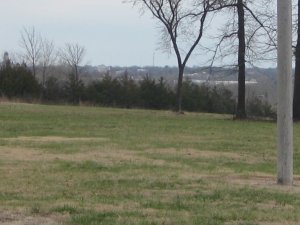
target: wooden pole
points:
(285, 94)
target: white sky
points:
(113, 33)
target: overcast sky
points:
(113, 33)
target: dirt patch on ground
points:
(20, 154)
(28, 154)
(204, 154)
(8, 218)
(104, 155)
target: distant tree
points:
(296, 103)
(17, 81)
(155, 95)
(47, 59)
(72, 55)
(31, 43)
(105, 92)
(74, 89)
(128, 91)
(53, 90)
(183, 23)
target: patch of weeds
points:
(208, 221)
(248, 224)
(258, 196)
(199, 163)
(80, 166)
(286, 199)
(35, 209)
(58, 147)
(239, 167)
(104, 184)
(209, 197)
(177, 204)
(160, 185)
(10, 196)
(65, 209)
(155, 204)
(95, 218)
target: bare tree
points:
(251, 35)
(183, 23)
(72, 55)
(31, 42)
(47, 58)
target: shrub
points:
(74, 89)
(258, 108)
(204, 98)
(129, 92)
(105, 92)
(155, 95)
(53, 90)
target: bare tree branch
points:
(72, 55)
(32, 45)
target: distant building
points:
(223, 82)
(103, 68)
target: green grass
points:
(106, 166)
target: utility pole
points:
(285, 94)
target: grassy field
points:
(96, 166)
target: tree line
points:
(18, 81)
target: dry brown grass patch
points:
(263, 181)
(194, 153)
(55, 139)
(18, 218)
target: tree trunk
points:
(179, 88)
(296, 103)
(241, 106)
(33, 69)
(44, 76)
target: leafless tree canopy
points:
(48, 57)
(260, 31)
(72, 55)
(182, 23)
(31, 42)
